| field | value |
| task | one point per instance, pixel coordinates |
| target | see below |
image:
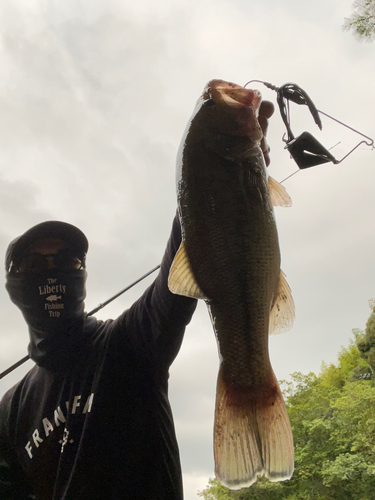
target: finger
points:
(266, 109)
(263, 122)
(266, 151)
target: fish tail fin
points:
(252, 436)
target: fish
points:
(53, 298)
(230, 257)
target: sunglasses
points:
(64, 259)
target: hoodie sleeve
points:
(158, 319)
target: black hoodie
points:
(99, 425)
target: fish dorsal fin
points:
(181, 280)
(283, 312)
(279, 195)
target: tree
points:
(333, 420)
(366, 342)
(362, 20)
(264, 490)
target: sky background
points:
(94, 99)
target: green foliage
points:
(333, 420)
(264, 490)
(366, 342)
(362, 20)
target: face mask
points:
(52, 303)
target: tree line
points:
(333, 420)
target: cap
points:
(49, 229)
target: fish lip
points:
(233, 95)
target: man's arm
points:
(158, 319)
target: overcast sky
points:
(94, 99)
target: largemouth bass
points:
(230, 257)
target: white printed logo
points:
(65, 440)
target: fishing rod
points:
(100, 306)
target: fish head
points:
(224, 122)
(233, 109)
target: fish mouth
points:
(233, 95)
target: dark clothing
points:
(102, 428)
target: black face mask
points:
(52, 303)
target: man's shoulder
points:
(10, 399)
(96, 330)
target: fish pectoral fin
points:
(283, 311)
(252, 436)
(181, 280)
(279, 195)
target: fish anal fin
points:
(279, 195)
(252, 437)
(283, 311)
(181, 280)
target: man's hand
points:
(265, 112)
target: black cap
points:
(49, 229)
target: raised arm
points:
(158, 319)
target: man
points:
(92, 419)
